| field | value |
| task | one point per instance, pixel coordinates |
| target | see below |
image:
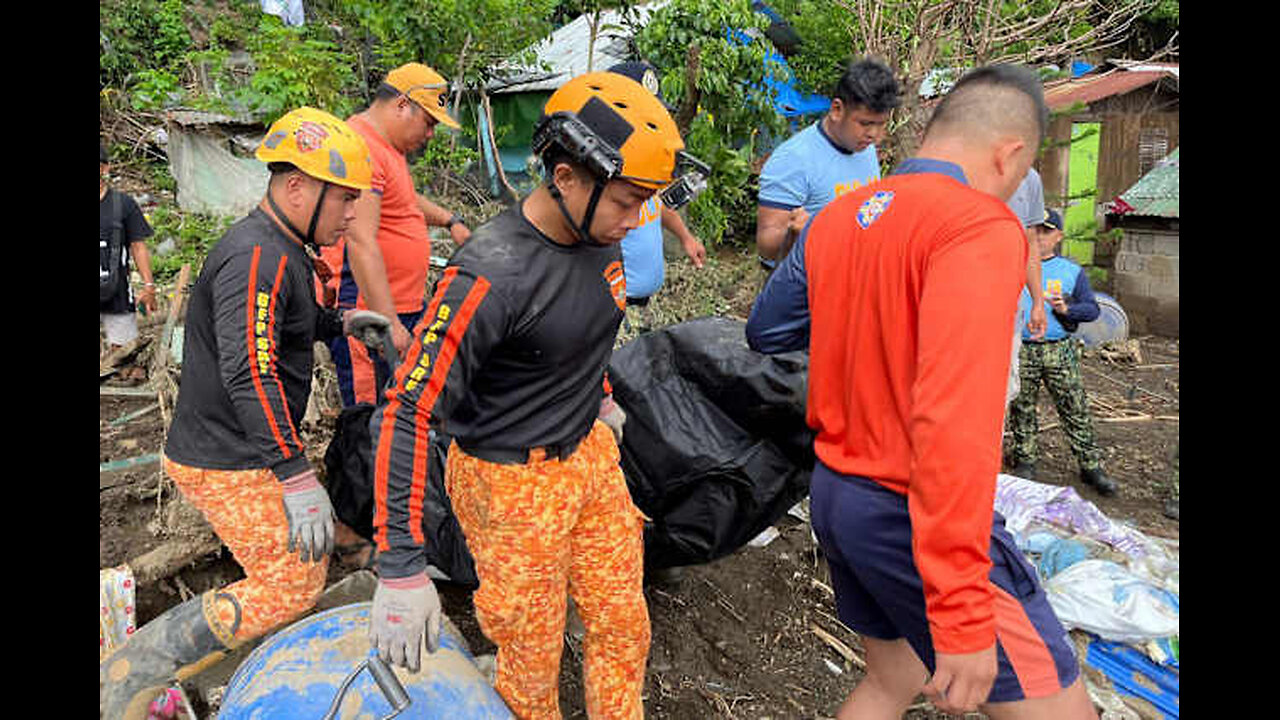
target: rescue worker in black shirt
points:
(233, 446)
(509, 359)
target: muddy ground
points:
(753, 635)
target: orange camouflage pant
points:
(538, 531)
(246, 510)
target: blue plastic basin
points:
(298, 672)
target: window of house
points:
(1153, 145)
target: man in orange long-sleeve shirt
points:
(903, 291)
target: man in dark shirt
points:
(122, 234)
(509, 360)
(233, 447)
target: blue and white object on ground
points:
(1134, 674)
(298, 672)
(1112, 323)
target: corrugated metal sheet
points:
(1091, 88)
(1156, 194)
(565, 51)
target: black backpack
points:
(111, 266)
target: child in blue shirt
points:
(1055, 361)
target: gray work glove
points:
(611, 414)
(374, 330)
(310, 514)
(402, 609)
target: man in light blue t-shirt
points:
(833, 156)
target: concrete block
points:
(1162, 269)
(1131, 262)
(1130, 285)
(1166, 244)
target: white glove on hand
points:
(402, 609)
(611, 414)
(310, 514)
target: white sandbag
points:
(1108, 600)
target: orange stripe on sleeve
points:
(259, 356)
(271, 333)
(386, 438)
(448, 349)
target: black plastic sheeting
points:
(349, 481)
(715, 448)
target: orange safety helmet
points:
(320, 145)
(614, 126)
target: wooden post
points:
(160, 361)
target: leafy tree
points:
(465, 40)
(711, 56)
(136, 35)
(915, 37)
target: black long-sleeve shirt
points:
(510, 355)
(247, 355)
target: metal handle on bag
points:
(387, 682)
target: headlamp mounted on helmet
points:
(580, 142)
(691, 179)
(585, 147)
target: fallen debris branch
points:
(172, 556)
(845, 651)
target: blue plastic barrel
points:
(298, 672)
(1112, 323)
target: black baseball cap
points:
(1051, 219)
(643, 73)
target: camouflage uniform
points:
(1057, 364)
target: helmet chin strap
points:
(583, 231)
(308, 240)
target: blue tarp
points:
(1135, 674)
(788, 99)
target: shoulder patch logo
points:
(873, 208)
(617, 282)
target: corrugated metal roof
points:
(1156, 193)
(1090, 88)
(565, 51)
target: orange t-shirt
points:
(912, 284)
(402, 230)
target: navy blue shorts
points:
(362, 379)
(865, 533)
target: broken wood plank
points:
(125, 391)
(133, 415)
(845, 651)
(172, 556)
(160, 360)
(1128, 418)
(1130, 385)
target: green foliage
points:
(194, 234)
(154, 90)
(139, 35)
(295, 67)
(442, 155)
(826, 48)
(733, 106)
(435, 32)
